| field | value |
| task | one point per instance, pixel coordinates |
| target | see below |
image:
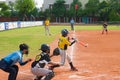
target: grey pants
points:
(64, 56)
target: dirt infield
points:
(99, 61)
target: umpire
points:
(8, 63)
(72, 22)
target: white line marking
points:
(94, 77)
(25, 72)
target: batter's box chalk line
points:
(106, 76)
(25, 72)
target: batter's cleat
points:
(74, 69)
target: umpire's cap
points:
(44, 47)
(64, 32)
(23, 46)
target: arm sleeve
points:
(23, 63)
(67, 42)
(72, 43)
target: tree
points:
(92, 7)
(114, 4)
(47, 13)
(114, 10)
(59, 9)
(4, 10)
(103, 11)
(109, 10)
(24, 6)
(113, 17)
(34, 12)
(75, 8)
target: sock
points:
(71, 65)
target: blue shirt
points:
(14, 57)
(72, 21)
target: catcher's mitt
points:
(56, 52)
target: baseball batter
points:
(38, 66)
(62, 47)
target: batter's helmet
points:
(56, 52)
(23, 46)
(64, 32)
(45, 47)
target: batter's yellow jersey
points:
(63, 42)
(47, 22)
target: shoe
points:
(74, 69)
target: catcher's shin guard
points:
(49, 76)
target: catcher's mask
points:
(56, 52)
(64, 32)
(45, 47)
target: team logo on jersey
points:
(38, 57)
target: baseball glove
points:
(56, 52)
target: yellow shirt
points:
(63, 43)
(47, 23)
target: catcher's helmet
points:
(23, 46)
(56, 52)
(64, 32)
(45, 47)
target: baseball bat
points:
(80, 42)
(83, 44)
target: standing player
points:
(105, 27)
(62, 47)
(38, 66)
(7, 64)
(72, 24)
(47, 29)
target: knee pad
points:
(49, 76)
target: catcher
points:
(38, 66)
(62, 47)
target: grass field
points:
(34, 36)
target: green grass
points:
(34, 36)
